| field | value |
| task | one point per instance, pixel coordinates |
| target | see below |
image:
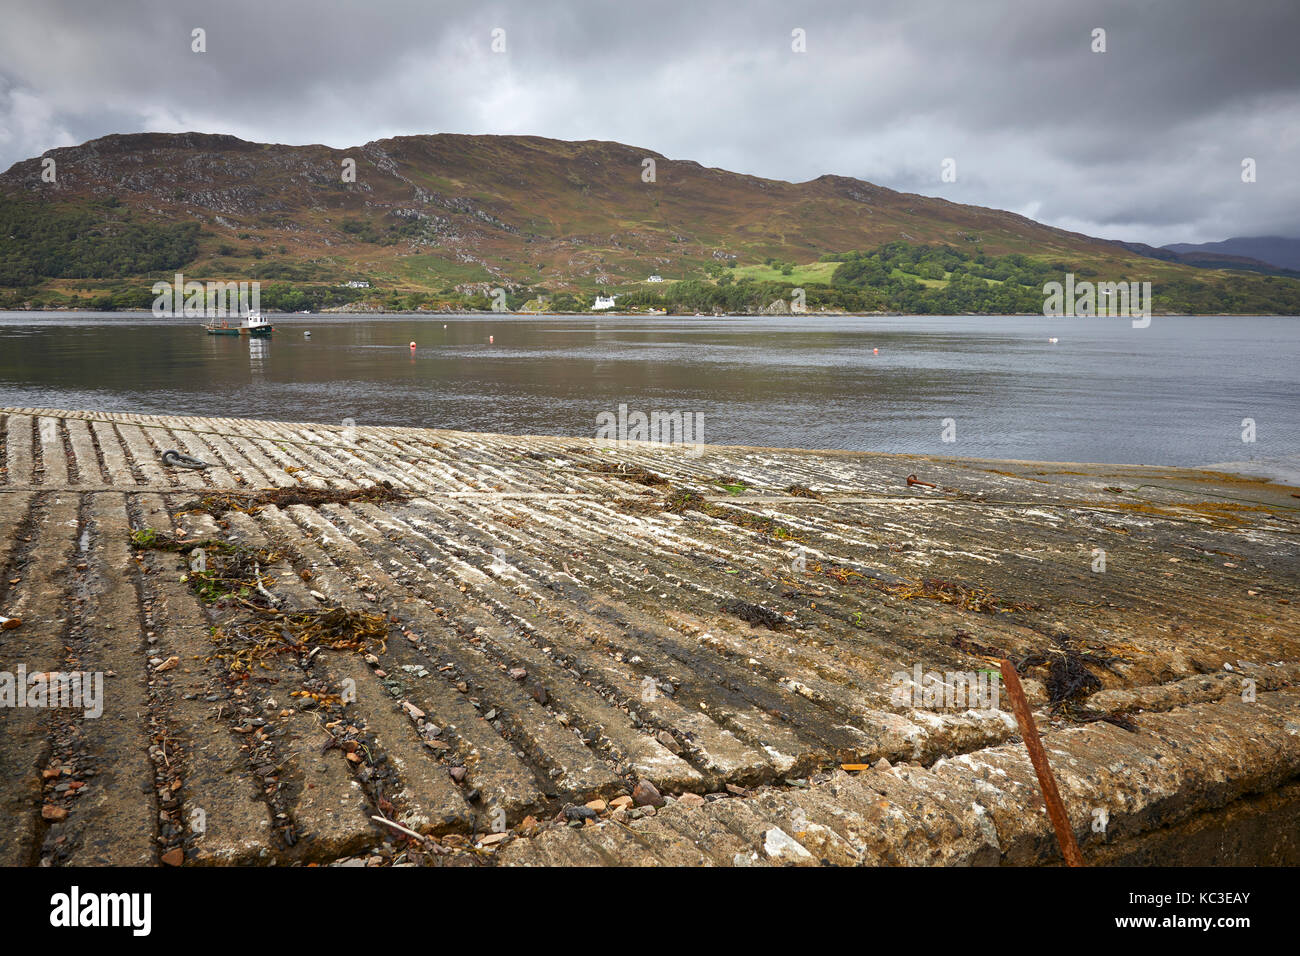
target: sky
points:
(1142, 142)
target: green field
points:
(807, 273)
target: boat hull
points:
(264, 333)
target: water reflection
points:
(258, 349)
(1174, 393)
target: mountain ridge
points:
(1281, 252)
(448, 215)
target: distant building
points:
(604, 302)
(655, 279)
(357, 284)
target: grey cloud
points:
(1143, 142)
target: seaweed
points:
(966, 596)
(235, 572)
(681, 500)
(1068, 680)
(732, 484)
(251, 502)
(756, 614)
(226, 570)
(633, 473)
(802, 491)
(252, 641)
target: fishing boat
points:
(254, 324)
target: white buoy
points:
(412, 346)
(491, 339)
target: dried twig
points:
(397, 826)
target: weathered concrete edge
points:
(985, 808)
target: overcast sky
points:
(1142, 142)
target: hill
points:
(437, 221)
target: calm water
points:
(1174, 393)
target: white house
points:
(357, 284)
(604, 302)
(655, 279)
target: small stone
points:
(691, 800)
(53, 814)
(646, 794)
(412, 710)
(517, 673)
(599, 806)
(669, 741)
(783, 848)
(623, 802)
(168, 664)
(457, 774)
(174, 857)
(882, 764)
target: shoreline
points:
(692, 647)
(680, 315)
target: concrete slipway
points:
(565, 620)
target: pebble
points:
(412, 710)
(669, 741)
(779, 845)
(579, 814)
(646, 794)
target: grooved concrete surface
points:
(558, 635)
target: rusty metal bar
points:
(1038, 757)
